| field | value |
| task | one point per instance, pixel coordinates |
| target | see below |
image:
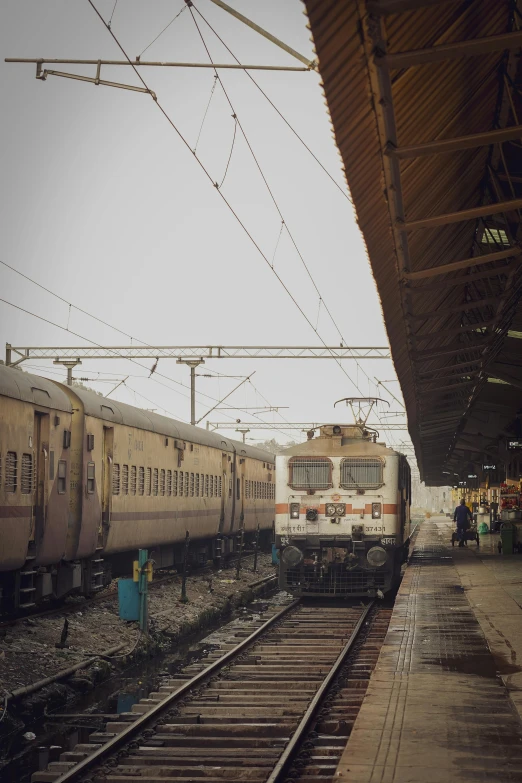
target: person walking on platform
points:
(462, 517)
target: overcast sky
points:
(103, 204)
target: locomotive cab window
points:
(361, 473)
(310, 473)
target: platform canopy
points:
(424, 98)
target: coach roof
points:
(38, 391)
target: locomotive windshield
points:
(361, 473)
(310, 473)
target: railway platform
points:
(444, 703)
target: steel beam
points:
(448, 51)
(153, 64)
(460, 308)
(455, 331)
(450, 350)
(304, 426)
(195, 352)
(458, 143)
(441, 389)
(454, 266)
(387, 7)
(462, 279)
(464, 214)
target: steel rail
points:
(285, 760)
(135, 727)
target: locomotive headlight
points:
(292, 556)
(329, 510)
(294, 510)
(377, 556)
(376, 510)
(340, 509)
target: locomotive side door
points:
(108, 444)
(224, 491)
(44, 471)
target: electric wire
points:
(272, 104)
(160, 34)
(110, 326)
(206, 172)
(212, 91)
(116, 355)
(231, 151)
(113, 10)
(209, 177)
(283, 223)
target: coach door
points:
(108, 445)
(44, 470)
(224, 490)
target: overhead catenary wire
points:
(105, 323)
(231, 151)
(113, 10)
(161, 33)
(281, 115)
(212, 91)
(283, 223)
(206, 172)
(116, 355)
(209, 177)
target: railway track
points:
(285, 684)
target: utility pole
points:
(192, 363)
(243, 431)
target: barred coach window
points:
(310, 473)
(361, 473)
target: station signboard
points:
(514, 444)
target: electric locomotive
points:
(342, 513)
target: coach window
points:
(238, 488)
(219, 489)
(169, 483)
(148, 481)
(124, 479)
(133, 474)
(230, 488)
(115, 478)
(191, 485)
(198, 485)
(310, 473)
(155, 482)
(91, 475)
(361, 473)
(186, 484)
(62, 477)
(175, 482)
(27, 474)
(141, 481)
(11, 472)
(162, 482)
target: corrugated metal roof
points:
(444, 335)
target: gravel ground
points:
(28, 652)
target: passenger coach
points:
(342, 514)
(85, 481)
